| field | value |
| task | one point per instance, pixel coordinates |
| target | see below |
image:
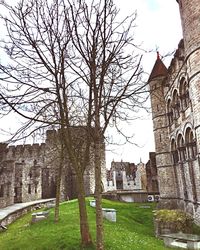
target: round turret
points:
(160, 126)
(190, 13)
(156, 84)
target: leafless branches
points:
(70, 63)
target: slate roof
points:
(159, 69)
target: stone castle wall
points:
(7, 183)
(79, 139)
(28, 172)
(152, 174)
(178, 160)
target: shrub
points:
(172, 221)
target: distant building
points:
(126, 176)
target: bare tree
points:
(72, 64)
(107, 60)
(35, 82)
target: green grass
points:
(133, 230)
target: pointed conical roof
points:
(159, 69)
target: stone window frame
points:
(184, 93)
(36, 188)
(191, 145)
(176, 104)
(169, 112)
(29, 188)
(174, 152)
(181, 147)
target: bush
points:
(172, 221)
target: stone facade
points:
(175, 100)
(151, 173)
(126, 176)
(21, 173)
(28, 172)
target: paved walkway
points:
(6, 211)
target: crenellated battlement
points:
(23, 151)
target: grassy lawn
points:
(133, 230)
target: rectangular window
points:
(29, 188)
(15, 194)
(1, 190)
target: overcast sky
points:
(158, 26)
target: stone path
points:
(6, 211)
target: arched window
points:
(169, 112)
(181, 148)
(190, 143)
(174, 152)
(176, 104)
(184, 93)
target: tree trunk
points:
(86, 239)
(58, 185)
(58, 181)
(98, 196)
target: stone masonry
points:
(151, 174)
(175, 100)
(28, 172)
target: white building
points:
(126, 176)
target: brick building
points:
(28, 172)
(175, 100)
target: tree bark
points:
(58, 185)
(98, 196)
(59, 177)
(102, 79)
(86, 239)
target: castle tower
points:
(175, 99)
(190, 19)
(166, 174)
